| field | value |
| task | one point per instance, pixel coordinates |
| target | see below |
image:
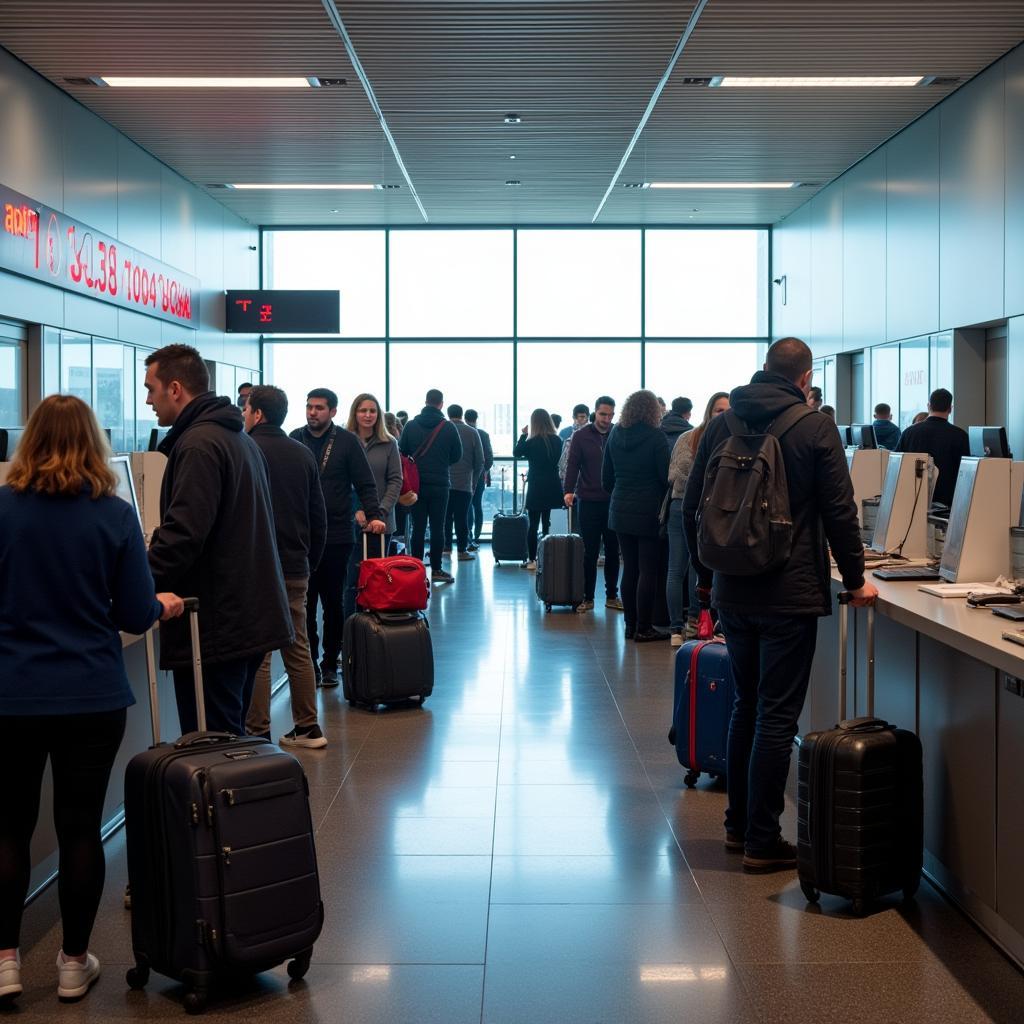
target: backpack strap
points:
(428, 444)
(736, 426)
(789, 418)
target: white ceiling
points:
(447, 71)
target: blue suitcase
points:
(704, 694)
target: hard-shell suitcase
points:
(389, 658)
(704, 694)
(221, 860)
(508, 532)
(860, 804)
(560, 569)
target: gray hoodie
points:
(467, 470)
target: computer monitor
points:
(122, 467)
(4, 438)
(844, 432)
(989, 442)
(155, 437)
(862, 435)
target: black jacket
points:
(635, 473)
(300, 520)
(543, 487)
(485, 440)
(820, 502)
(444, 452)
(673, 425)
(216, 539)
(946, 444)
(346, 468)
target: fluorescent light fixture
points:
(815, 81)
(318, 187)
(160, 82)
(720, 184)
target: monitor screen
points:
(988, 442)
(155, 437)
(122, 467)
(844, 432)
(863, 435)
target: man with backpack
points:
(768, 495)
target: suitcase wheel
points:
(137, 977)
(547, 607)
(691, 778)
(423, 700)
(195, 1001)
(860, 907)
(810, 893)
(298, 967)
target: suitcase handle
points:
(845, 597)
(383, 551)
(201, 739)
(192, 610)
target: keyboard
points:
(919, 573)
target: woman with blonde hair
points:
(635, 473)
(541, 446)
(73, 572)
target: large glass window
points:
(885, 376)
(76, 365)
(579, 283)
(450, 284)
(914, 389)
(347, 368)
(475, 375)
(113, 386)
(12, 394)
(351, 261)
(696, 370)
(709, 284)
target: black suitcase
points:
(860, 800)
(560, 569)
(508, 532)
(389, 658)
(221, 859)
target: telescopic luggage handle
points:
(192, 610)
(845, 597)
(383, 550)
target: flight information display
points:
(283, 312)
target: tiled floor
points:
(522, 850)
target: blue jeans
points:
(227, 693)
(678, 587)
(771, 659)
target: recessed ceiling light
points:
(512, 119)
(511, 156)
(206, 82)
(292, 186)
(513, 182)
(720, 184)
(814, 81)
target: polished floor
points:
(523, 850)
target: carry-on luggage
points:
(389, 658)
(560, 569)
(704, 693)
(221, 859)
(860, 806)
(391, 584)
(508, 532)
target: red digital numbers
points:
(266, 313)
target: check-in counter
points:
(943, 670)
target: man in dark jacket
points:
(300, 523)
(770, 620)
(583, 483)
(887, 434)
(677, 420)
(343, 466)
(482, 483)
(944, 442)
(435, 445)
(215, 542)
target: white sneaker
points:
(10, 979)
(74, 979)
(530, 566)
(676, 639)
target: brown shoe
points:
(780, 857)
(733, 842)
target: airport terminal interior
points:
(529, 205)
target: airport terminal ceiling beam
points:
(335, 16)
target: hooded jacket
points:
(820, 501)
(673, 424)
(635, 473)
(216, 539)
(444, 452)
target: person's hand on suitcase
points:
(569, 498)
(172, 604)
(376, 526)
(865, 596)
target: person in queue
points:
(465, 475)
(64, 693)
(814, 399)
(477, 508)
(887, 434)
(582, 484)
(580, 418)
(435, 446)
(300, 525)
(635, 474)
(677, 420)
(946, 443)
(343, 468)
(681, 585)
(770, 620)
(541, 446)
(366, 421)
(216, 541)
(393, 425)
(243, 393)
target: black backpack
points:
(744, 526)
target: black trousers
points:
(227, 694)
(457, 516)
(640, 579)
(593, 526)
(539, 518)
(476, 511)
(327, 584)
(431, 507)
(81, 749)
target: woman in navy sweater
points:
(73, 572)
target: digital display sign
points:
(46, 245)
(282, 312)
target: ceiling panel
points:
(579, 73)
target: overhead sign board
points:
(281, 311)
(46, 245)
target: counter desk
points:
(943, 670)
